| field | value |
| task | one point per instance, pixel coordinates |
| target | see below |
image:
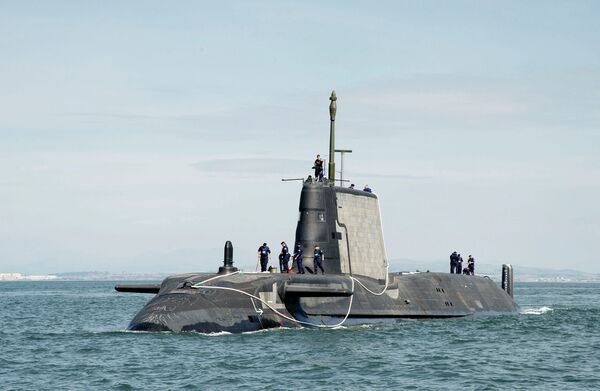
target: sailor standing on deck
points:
(318, 166)
(284, 258)
(318, 258)
(264, 255)
(298, 254)
(471, 265)
(453, 262)
(459, 262)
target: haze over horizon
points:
(140, 136)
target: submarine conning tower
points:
(346, 224)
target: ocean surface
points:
(71, 335)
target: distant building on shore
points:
(25, 277)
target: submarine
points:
(356, 288)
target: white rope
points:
(370, 291)
(199, 284)
(259, 311)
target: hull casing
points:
(256, 301)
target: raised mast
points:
(332, 111)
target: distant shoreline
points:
(546, 276)
(82, 276)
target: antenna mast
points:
(332, 111)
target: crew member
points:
(298, 254)
(352, 186)
(459, 262)
(367, 189)
(264, 255)
(284, 258)
(286, 261)
(318, 258)
(453, 262)
(471, 265)
(318, 166)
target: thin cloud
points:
(254, 167)
(135, 116)
(444, 101)
(388, 176)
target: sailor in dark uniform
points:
(298, 254)
(459, 262)
(286, 261)
(284, 258)
(318, 258)
(318, 166)
(453, 262)
(471, 265)
(264, 254)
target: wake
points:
(535, 311)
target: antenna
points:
(332, 111)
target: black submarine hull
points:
(247, 302)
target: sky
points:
(139, 136)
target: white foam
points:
(271, 330)
(217, 334)
(535, 311)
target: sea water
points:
(71, 335)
